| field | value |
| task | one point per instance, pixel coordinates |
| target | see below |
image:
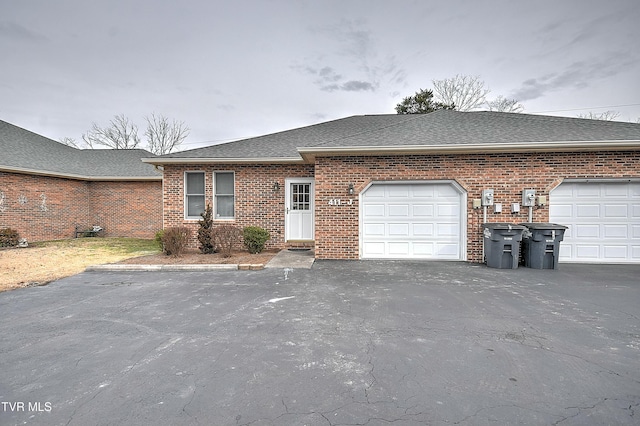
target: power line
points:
(582, 109)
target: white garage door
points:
(603, 220)
(411, 221)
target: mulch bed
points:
(197, 258)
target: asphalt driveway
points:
(345, 343)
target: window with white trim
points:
(194, 194)
(224, 195)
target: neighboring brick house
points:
(48, 188)
(406, 186)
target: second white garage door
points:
(412, 221)
(603, 220)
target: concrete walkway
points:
(296, 259)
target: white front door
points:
(299, 206)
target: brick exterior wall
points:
(337, 229)
(508, 174)
(43, 208)
(256, 203)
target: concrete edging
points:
(177, 268)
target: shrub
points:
(175, 240)
(226, 237)
(207, 245)
(159, 236)
(254, 238)
(9, 237)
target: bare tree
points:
(121, 134)
(464, 92)
(502, 104)
(163, 136)
(69, 141)
(605, 116)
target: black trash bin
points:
(502, 244)
(541, 245)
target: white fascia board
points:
(283, 160)
(308, 152)
(11, 169)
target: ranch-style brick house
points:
(411, 186)
(47, 189)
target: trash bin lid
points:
(542, 226)
(502, 226)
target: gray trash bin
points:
(541, 245)
(502, 244)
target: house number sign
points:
(339, 202)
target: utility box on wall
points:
(528, 197)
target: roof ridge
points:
(409, 117)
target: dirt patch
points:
(42, 263)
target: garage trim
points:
(462, 255)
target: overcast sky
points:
(235, 69)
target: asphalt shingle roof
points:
(441, 128)
(21, 149)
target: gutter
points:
(309, 153)
(12, 169)
(235, 160)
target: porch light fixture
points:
(351, 189)
(276, 186)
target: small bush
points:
(158, 239)
(226, 237)
(9, 237)
(254, 238)
(175, 240)
(207, 245)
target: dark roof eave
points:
(309, 153)
(222, 160)
(25, 171)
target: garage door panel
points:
(423, 229)
(448, 210)
(374, 229)
(587, 191)
(588, 210)
(423, 249)
(401, 210)
(422, 210)
(411, 221)
(616, 191)
(615, 231)
(423, 191)
(447, 191)
(371, 210)
(616, 211)
(615, 252)
(587, 252)
(398, 249)
(585, 231)
(400, 191)
(603, 220)
(447, 229)
(561, 210)
(447, 251)
(399, 230)
(373, 248)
